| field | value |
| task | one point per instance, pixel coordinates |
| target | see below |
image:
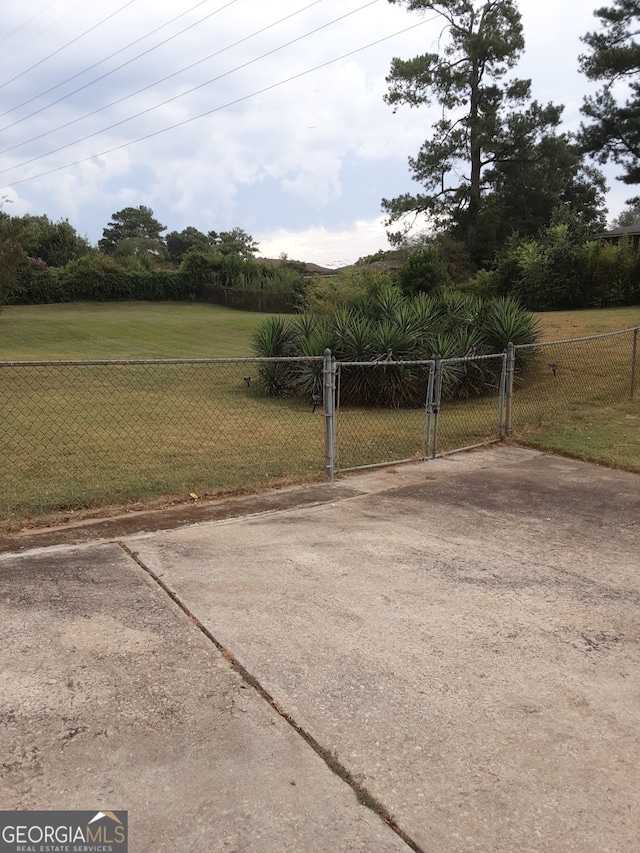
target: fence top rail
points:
(578, 340)
(150, 361)
(420, 363)
(386, 363)
(466, 358)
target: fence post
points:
(427, 444)
(634, 353)
(329, 393)
(437, 394)
(503, 387)
(511, 359)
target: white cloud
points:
(327, 247)
(293, 159)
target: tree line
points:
(496, 163)
(42, 261)
(514, 206)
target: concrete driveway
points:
(437, 657)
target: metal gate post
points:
(430, 384)
(511, 360)
(634, 353)
(329, 393)
(503, 386)
(436, 403)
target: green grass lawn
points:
(93, 330)
(609, 436)
(559, 325)
(80, 437)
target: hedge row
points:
(98, 277)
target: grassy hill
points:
(115, 330)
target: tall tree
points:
(614, 111)
(523, 196)
(486, 122)
(134, 232)
(180, 242)
(235, 242)
(56, 243)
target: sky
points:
(266, 116)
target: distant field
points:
(558, 325)
(75, 438)
(94, 330)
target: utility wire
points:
(189, 91)
(106, 58)
(215, 109)
(24, 24)
(46, 29)
(48, 132)
(68, 44)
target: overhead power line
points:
(215, 109)
(25, 23)
(50, 131)
(55, 23)
(106, 59)
(68, 44)
(188, 92)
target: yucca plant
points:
(311, 337)
(505, 321)
(382, 305)
(458, 309)
(427, 312)
(390, 329)
(444, 346)
(274, 339)
(472, 378)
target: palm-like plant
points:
(504, 321)
(390, 329)
(274, 339)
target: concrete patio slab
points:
(458, 639)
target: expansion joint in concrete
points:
(330, 759)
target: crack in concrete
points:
(330, 759)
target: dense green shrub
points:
(322, 295)
(243, 283)
(423, 272)
(560, 270)
(387, 327)
(95, 277)
(483, 283)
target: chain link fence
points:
(521, 390)
(81, 434)
(366, 436)
(78, 434)
(559, 380)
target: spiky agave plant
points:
(354, 341)
(472, 378)
(274, 339)
(426, 311)
(458, 310)
(397, 384)
(310, 337)
(443, 345)
(383, 304)
(503, 321)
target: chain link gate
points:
(398, 434)
(82, 434)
